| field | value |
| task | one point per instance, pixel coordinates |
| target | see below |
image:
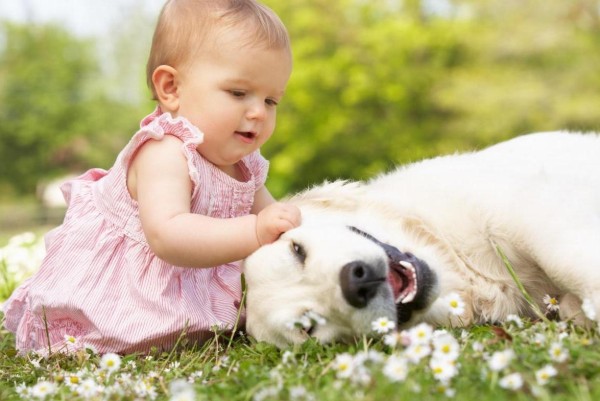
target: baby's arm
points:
(158, 179)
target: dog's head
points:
(331, 282)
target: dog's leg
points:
(573, 264)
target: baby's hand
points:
(274, 220)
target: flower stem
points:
(520, 285)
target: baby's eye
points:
(271, 102)
(237, 93)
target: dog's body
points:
(536, 198)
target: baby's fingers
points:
(292, 215)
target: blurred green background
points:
(375, 83)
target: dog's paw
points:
(584, 312)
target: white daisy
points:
(306, 321)
(361, 376)
(181, 391)
(396, 368)
(73, 380)
(501, 359)
(515, 319)
(372, 356)
(558, 353)
(22, 390)
(144, 389)
(443, 388)
(383, 325)
(455, 304)
(184, 396)
(420, 334)
(35, 363)
(270, 392)
(344, 365)
(543, 375)
(443, 369)
(299, 393)
(88, 388)
(539, 339)
(90, 349)
(478, 347)
(110, 362)
(551, 303)
(513, 381)
(288, 358)
(71, 343)
(416, 352)
(393, 339)
(43, 389)
(195, 376)
(446, 347)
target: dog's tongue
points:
(403, 279)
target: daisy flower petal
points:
(383, 325)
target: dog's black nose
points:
(359, 282)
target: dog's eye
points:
(299, 251)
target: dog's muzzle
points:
(410, 278)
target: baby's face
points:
(231, 94)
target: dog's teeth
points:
(407, 265)
(403, 299)
(409, 298)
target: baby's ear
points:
(165, 79)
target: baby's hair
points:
(185, 26)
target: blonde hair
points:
(184, 26)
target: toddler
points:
(148, 249)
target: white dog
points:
(396, 246)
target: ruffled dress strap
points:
(155, 126)
(259, 168)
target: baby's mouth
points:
(246, 134)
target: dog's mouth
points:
(410, 278)
(403, 280)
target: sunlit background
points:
(375, 83)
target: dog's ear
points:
(338, 195)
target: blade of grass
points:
(46, 330)
(172, 352)
(239, 313)
(519, 284)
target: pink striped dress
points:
(101, 283)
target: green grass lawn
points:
(553, 361)
(516, 361)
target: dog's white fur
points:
(536, 197)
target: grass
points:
(519, 360)
(244, 369)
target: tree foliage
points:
(52, 120)
(381, 82)
(375, 83)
